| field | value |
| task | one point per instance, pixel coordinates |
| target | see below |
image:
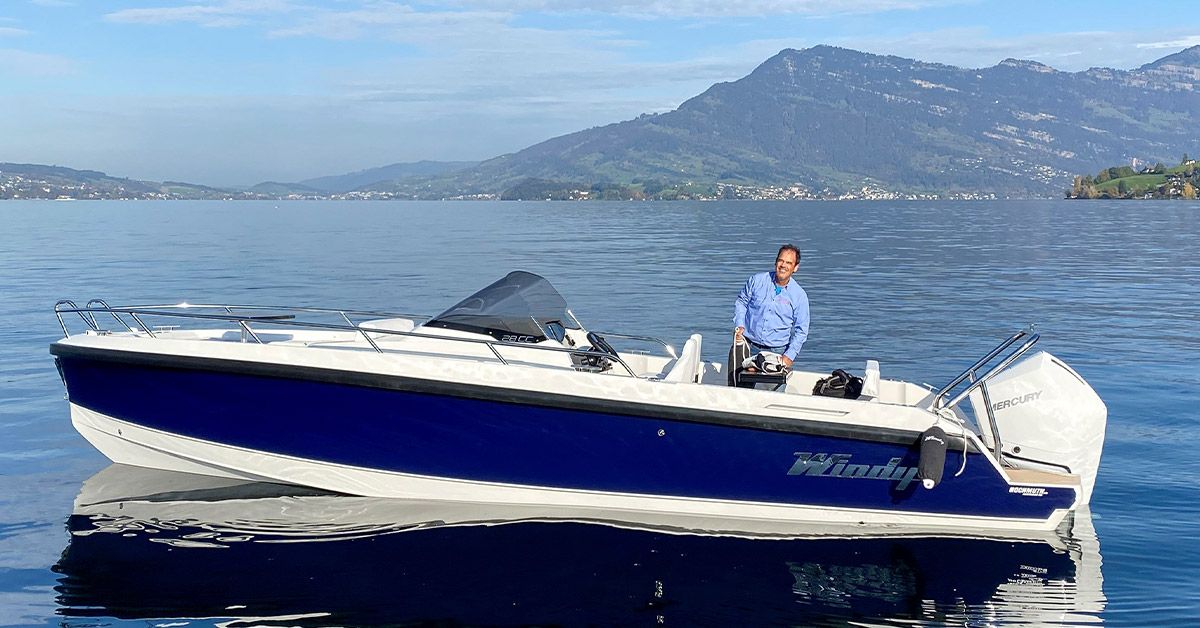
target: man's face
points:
(785, 265)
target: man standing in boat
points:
(771, 312)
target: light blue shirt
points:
(773, 318)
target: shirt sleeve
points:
(742, 302)
(800, 331)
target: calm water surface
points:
(924, 288)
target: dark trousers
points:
(756, 348)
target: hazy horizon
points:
(236, 92)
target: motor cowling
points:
(1048, 418)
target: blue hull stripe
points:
(494, 441)
(509, 395)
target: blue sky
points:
(232, 92)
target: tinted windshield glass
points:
(506, 310)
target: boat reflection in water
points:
(158, 544)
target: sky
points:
(235, 92)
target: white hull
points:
(127, 443)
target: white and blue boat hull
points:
(392, 435)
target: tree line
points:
(1157, 181)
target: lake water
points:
(924, 287)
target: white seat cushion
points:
(687, 366)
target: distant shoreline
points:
(981, 197)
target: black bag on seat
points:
(839, 384)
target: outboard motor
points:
(1048, 418)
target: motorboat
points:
(295, 555)
(507, 398)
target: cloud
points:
(461, 84)
(705, 8)
(1186, 42)
(212, 14)
(480, 64)
(9, 31)
(34, 64)
(364, 15)
(391, 21)
(572, 82)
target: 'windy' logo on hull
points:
(837, 466)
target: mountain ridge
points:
(360, 179)
(831, 118)
(827, 122)
(1189, 57)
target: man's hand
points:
(737, 333)
(786, 361)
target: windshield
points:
(507, 309)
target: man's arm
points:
(741, 303)
(800, 329)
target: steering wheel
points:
(600, 344)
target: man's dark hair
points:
(789, 247)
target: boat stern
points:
(1048, 418)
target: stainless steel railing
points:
(980, 381)
(668, 348)
(76, 309)
(98, 306)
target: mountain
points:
(835, 119)
(274, 188)
(40, 181)
(1186, 61)
(338, 184)
(36, 181)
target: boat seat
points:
(687, 365)
(870, 389)
(389, 324)
(776, 381)
(265, 337)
